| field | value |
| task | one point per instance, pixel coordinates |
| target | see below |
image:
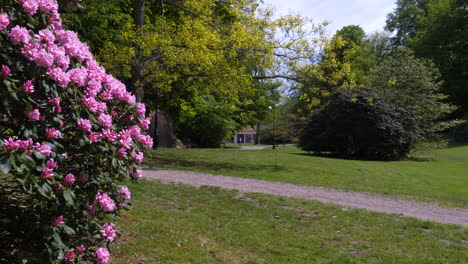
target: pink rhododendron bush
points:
(69, 134)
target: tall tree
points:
(414, 84)
(438, 30)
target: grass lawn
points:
(442, 180)
(182, 224)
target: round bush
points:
(70, 134)
(355, 123)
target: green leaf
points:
(68, 230)
(47, 190)
(69, 195)
(28, 161)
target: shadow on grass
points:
(200, 164)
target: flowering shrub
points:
(69, 133)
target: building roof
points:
(248, 129)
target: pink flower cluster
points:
(125, 193)
(70, 255)
(5, 71)
(102, 255)
(137, 174)
(33, 114)
(106, 203)
(52, 133)
(4, 21)
(69, 179)
(57, 221)
(108, 231)
(28, 87)
(43, 148)
(85, 125)
(11, 144)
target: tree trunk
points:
(137, 65)
(257, 134)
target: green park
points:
(233, 131)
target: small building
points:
(246, 135)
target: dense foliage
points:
(436, 30)
(183, 52)
(356, 123)
(414, 84)
(70, 134)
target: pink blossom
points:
(49, 6)
(43, 58)
(58, 75)
(106, 203)
(102, 255)
(52, 133)
(70, 255)
(19, 35)
(94, 137)
(135, 131)
(80, 248)
(30, 6)
(73, 46)
(122, 152)
(30, 50)
(51, 164)
(145, 139)
(24, 144)
(78, 76)
(4, 21)
(94, 106)
(45, 36)
(69, 179)
(34, 114)
(121, 206)
(28, 87)
(125, 138)
(106, 96)
(64, 156)
(144, 123)
(108, 231)
(10, 144)
(47, 173)
(137, 174)
(138, 156)
(125, 193)
(60, 56)
(94, 87)
(57, 221)
(43, 148)
(84, 125)
(56, 102)
(140, 109)
(109, 134)
(59, 188)
(105, 120)
(5, 71)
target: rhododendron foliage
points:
(69, 135)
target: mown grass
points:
(443, 178)
(182, 224)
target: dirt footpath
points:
(376, 203)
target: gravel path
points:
(376, 203)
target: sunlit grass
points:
(442, 179)
(181, 224)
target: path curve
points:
(376, 203)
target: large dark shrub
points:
(355, 123)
